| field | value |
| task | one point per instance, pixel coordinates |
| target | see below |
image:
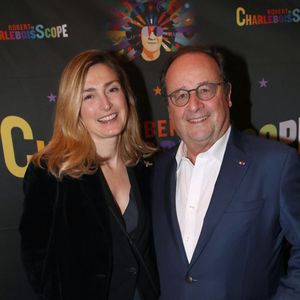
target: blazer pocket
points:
(244, 206)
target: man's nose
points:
(194, 102)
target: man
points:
(224, 203)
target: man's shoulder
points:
(259, 145)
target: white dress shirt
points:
(194, 189)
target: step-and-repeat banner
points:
(38, 37)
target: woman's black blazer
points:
(66, 242)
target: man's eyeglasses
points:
(204, 91)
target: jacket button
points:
(132, 270)
(189, 279)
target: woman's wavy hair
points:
(71, 151)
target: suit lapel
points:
(138, 181)
(233, 169)
(101, 203)
(170, 208)
(93, 189)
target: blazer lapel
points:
(137, 181)
(93, 189)
(170, 189)
(233, 169)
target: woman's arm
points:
(40, 192)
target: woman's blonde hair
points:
(71, 151)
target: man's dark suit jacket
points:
(240, 253)
(67, 246)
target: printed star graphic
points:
(51, 98)
(157, 90)
(263, 83)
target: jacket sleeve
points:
(35, 226)
(289, 287)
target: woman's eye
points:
(114, 89)
(87, 97)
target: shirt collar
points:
(216, 151)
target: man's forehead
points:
(191, 64)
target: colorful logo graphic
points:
(270, 16)
(144, 28)
(32, 32)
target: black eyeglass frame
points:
(214, 84)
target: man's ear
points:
(228, 93)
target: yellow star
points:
(157, 90)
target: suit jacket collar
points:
(101, 202)
(170, 166)
(93, 187)
(234, 167)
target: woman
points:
(85, 229)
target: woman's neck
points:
(109, 151)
